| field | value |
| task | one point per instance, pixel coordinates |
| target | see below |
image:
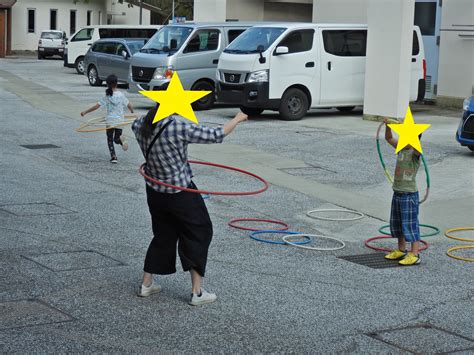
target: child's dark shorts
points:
(404, 216)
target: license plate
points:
(41, 49)
(61, 50)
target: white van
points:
(293, 67)
(78, 45)
(191, 49)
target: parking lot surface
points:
(74, 230)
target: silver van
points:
(191, 49)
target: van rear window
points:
(127, 32)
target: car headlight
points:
(258, 76)
(465, 104)
(163, 73)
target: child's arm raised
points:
(91, 109)
(388, 135)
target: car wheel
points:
(207, 101)
(79, 65)
(294, 105)
(471, 147)
(346, 108)
(251, 111)
(93, 76)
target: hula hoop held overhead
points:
(100, 124)
(265, 183)
(387, 172)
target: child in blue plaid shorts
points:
(404, 223)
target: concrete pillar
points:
(389, 47)
(210, 10)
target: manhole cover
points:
(35, 209)
(39, 146)
(74, 260)
(28, 313)
(424, 339)
(372, 260)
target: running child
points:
(115, 103)
(404, 223)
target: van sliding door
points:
(343, 66)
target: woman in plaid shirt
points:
(178, 217)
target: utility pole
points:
(141, 11)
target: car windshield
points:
(168, 39)
(251, 39)
(52, 35)
(135, 46)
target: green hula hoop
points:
(430, 234)
(387, 172)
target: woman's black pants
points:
(181, 220)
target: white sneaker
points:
(148, 291)
(124, 143)
(204, 298)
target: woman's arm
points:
(91, 109)
(229, 126)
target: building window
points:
(89, 17)
(72, 22)
(31, 20)
(53, 19)
(425, 17)
(100, 18)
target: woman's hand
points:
(241, 117)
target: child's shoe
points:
(204, 298)
(113, 160)
(410, 259)
(146, 291)
(396, 255)
(124, 143)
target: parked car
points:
(192, 49)
(110, 56)
(78, 45)
(292, 67)
(51, 43)
(465, 133)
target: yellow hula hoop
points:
(450, 250)
(101, 121)
(448, 234)
(449, 231)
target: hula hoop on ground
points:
(359, 214)
(450, 254)
(253, 235)
(386, 250)
(233, 224)
(100, 121)
(390, 177)
(289, 236)
(430, 234)
(449, 235)
(244, 193)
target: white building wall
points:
(210, 10)
(131, 17)
(456, 61)
(245, 10)
(340, 11)
(22, 40)
(277, 11)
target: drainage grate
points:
(39, 146)
(372, 260)
(424, 339)
(74, 260)
(29, 313)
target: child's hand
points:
(83, 114)
(386, 121)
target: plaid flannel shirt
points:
(168, 159)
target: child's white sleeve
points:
(102, 102)
(125, 101)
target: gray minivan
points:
(191, 49)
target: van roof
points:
(124, 26)
(221, 24)
(310, 24)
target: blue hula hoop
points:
(254, 234)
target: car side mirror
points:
(281, 50)
(124, 54)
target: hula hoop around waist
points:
(101, 121)
(390, 177)
(244, 193)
